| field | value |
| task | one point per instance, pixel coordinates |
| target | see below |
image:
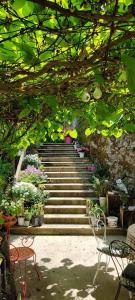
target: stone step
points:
(64, 229)
(59, 154)
(68, 180)
(71, 193)
(66, 219)
(66, 168)
(72, 174)
(65, 209)
(70, 200)
(65, 163)
(68, 186)
(61, 159)
(57, 147)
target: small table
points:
(131, 236)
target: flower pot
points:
(68, 139)
(27, 223)
(112, 221)
(20, 221)
(35, 221)
(41, 220)
(93, 220)
(81, 154)
(9, 221)
(103, 202)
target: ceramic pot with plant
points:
(39, 212)
(94, 213)
(20, 212)
(101, 187)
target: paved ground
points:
(67, 265)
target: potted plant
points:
(101, 186)
(81, 151)
(89, 204)
(33, 175)
(8, 208)
(94, 213)
(27, 216)
(29, 192)
(32, 160)
(19, 211)
(38, 215)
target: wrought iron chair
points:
(99, 227)
(126, 275)
(22, 254)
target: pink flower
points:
(91, 168)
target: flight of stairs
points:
(68, 187)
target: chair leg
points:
(36, 268)
(107, 262)
(118, 292)
(98, 267)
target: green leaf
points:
(73, 133)
(117, 132)
(89, 131)
(19, 4)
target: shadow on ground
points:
(70, 282)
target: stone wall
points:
(118, 155)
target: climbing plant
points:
(66, 53)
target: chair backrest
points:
(118, 251)
(97, 222)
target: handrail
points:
(16, 176)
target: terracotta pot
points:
(9, 221)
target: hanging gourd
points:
(97, 93)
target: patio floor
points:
(67, 265)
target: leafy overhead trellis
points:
(51, 52)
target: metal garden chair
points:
(126, 275)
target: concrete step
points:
(65, 168)
(57, 147)
(68, 186)
(61, 159)
(59, 154)
(64, 163)
(64, 229)
(72, 174)
(66, 219)
(71, 193)
(65, 209)
(68, 180)
(70, 200)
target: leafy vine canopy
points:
(68, 53)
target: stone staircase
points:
(68, 187)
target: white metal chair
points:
(99, 232)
